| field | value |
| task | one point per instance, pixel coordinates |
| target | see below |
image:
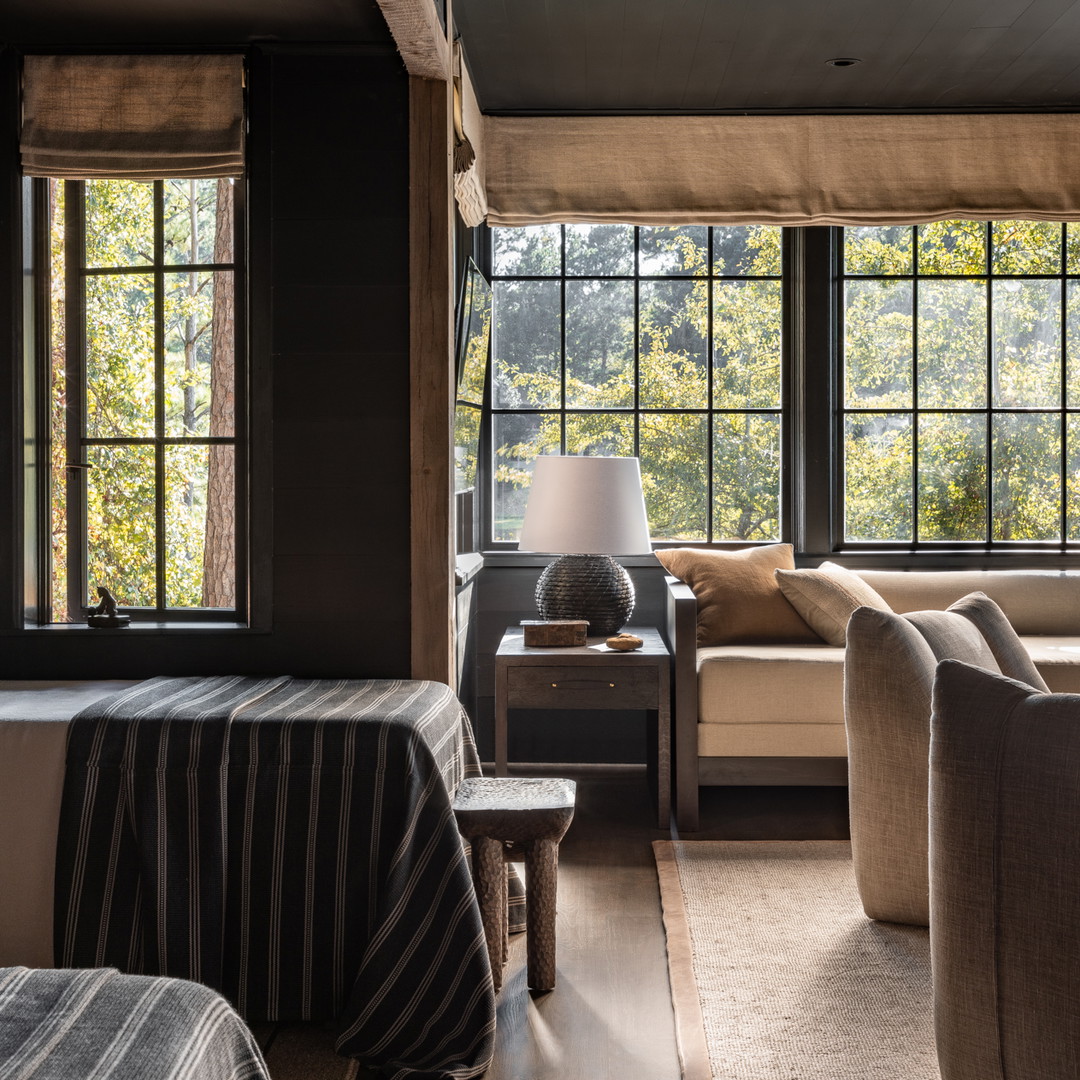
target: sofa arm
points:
(682, 638)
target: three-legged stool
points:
(493, 811)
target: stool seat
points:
(493, 811)
(514, 807)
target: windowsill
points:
(466, 567)
(146, 627)
(529, 558)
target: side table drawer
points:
(591, 687)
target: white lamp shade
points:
(586, 506)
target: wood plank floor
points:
(610, 1017)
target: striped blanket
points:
(71, 1025)
(290, 843)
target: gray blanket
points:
(74, 1025)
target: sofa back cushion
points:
(1034, 601)
(888, 686)
(1004, 896)
(738, 598)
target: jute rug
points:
(777, 974)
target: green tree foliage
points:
(612, 398)
(953, 381)
(952, 375)
(130, 348)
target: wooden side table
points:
(583, 677)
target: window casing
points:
(665, 343)
(922, 402)
(960, 407)
(143, 353)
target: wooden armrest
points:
(681, 627)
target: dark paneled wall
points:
(329, 288)
(504, 596)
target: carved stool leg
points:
(541, 881)
(490, 876)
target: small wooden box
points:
(555, 632)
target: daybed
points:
(759, 681)
(288, 842)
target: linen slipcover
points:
(888, 686)
(1004, 795)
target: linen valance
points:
(782, 170)
(140, 117)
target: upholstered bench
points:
(535, 814)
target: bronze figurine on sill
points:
(106, 613)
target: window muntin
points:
(662, 342)
(959, 374)
(143, 396)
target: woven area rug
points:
(777, 974)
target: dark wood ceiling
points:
(626, 56)
(171, 23)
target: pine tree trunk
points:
(219, 558)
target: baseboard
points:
(773, 771)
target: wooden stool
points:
(493, 811)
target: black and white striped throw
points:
(74, 1025)
(290, 843)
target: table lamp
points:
(586, 509)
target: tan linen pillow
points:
(739, 601)
(827, 596)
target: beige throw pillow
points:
(739, 600)
(825, 597)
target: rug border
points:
(689, 1024)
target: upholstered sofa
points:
(759, 656)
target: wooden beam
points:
(420, 37)
(431, 306)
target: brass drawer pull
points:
(581, 685)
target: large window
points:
(143, 396)
(961, 384)
(664, 343)
(935, 406)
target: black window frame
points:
(988, 546)
(790, 425)
(812, 480)
(76, 273)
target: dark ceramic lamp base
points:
(593, 587)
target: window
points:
(145, 402)
(938, 408)
(664, 343)
(961, 384)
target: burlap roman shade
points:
(139, 117)
(781, 170)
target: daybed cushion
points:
(826, 596)
(1057, 660)
(888, 683)
(738, 598)
(771, 700)
(1004, 858)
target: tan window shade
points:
(141, 117)
(782, 170)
